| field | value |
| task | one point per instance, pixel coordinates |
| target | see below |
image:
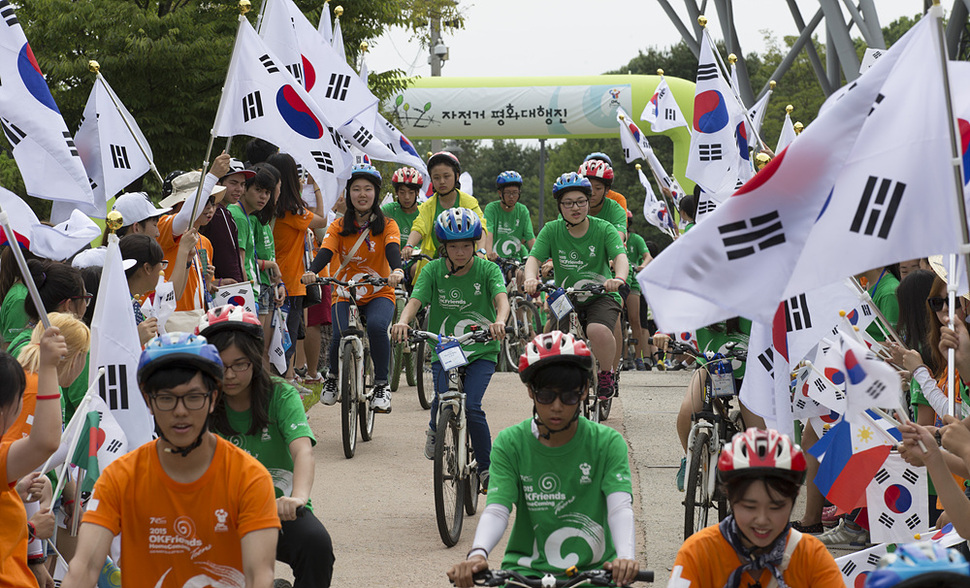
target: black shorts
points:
(602, 310)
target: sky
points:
(588, 37)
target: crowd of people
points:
(223, 491)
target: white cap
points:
(136, 207)
(95, 258)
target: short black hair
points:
(142, 249)
(688, 205)
(560, 376)
(258, 151)
(736, 487)
(170, 377)
(15, 382)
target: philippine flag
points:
(843, 475)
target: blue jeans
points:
(477, 376)
(378, 314)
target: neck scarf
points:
(753, 563)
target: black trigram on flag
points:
(767, 359)
(8, 14)
(670, 114)
(876, 389)
(94, 185)
(706, 206)
(710, 152)
(866, 309)
(338, 86)
(848, 568)
(626, 153)
(114, 387)
(267, 62)
(70, 143)
(252, 105)
(323, 159)
(873, 559)
(796, 313)
(337, 139)
(119, 157)
(913, 521)
(706, 71)
(887, 520)
(910, 476)
(819, 384)
(12, 132)
(879, 99)
(363, 136)
(297, 70)
(881, 476)
(875, 215)
(742, 238)
(113, 447)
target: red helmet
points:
(758, 452)
(229, 316)
(407, 175)
(554, 347)
(595, 168)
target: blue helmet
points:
(457, 224)
(366, 171)
(600, 156)
(508, 178)
(182, 349)
(571, 181)
(910, 560)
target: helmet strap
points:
(183, 451)
(550, 431)
(455, 270)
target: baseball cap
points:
(95, 257)
(136, 207)
(186, 185)
(237, 167)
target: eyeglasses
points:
(548, 396)
(509, 192)
(937, 303)
(575, 203)
(167, 402)
(164, 263)
(240, 366)
(85, 297)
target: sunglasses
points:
(936, 303)
(567, 397)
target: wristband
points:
(31, 531)
(49, 397)
(33, 560)
(475, 550)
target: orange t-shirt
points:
(172, 533)
(369, 259)
(707, 559)
(192, 297)
(13, 531)
(619, 198)
(289, 233)
(21, 427)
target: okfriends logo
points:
(179, 539)
(452, 299)
(571, 260)
(545, 494)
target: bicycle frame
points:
(354, 333)
(455, 398)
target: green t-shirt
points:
(19, 341)
(613, 213)
(287, 422)
(13, 317)
(458, 302)
(510, 230)
(583, 260)
(715, 339)
(559, 494)
(265, 248)
(635, 248)
(884, 297)
(72, 396)
(244, 227)
(404, 220)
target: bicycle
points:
(456, 479)
(561, 302)
(356, 370)
(575, 578)
(714, 424)
(523, 316)
(402, 354)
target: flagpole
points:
(885, 326)
(72, 447)
(84, 402)
(95, 67)
(24, 270)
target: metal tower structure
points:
(840, 56)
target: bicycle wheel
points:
(422, 371)
(365, 410)
(397, 353)
(524, 317)
(408, 354)
(473, 482)
(697, 501)
(449, 486)
(348, 400)
(606, 405)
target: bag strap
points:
(794, 536)
(353, 250)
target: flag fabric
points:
(634, 142)
(316, 65)
(787, 134)
(842, 474)
(86, 452)
(654, 210)
(112, 441)
(804, 405)
(240, 294)
(164, 303)
(946, 536)
(872, 430)
(712, 160)
(45, 152)
(898, 502)
(262, 99)
(115, 347)
(757, 112)
(337, 42)
(766, 390)
(857, 566)
(662, 111)
(111, 153)
(58, 242)
(364, 74)
(325, 27)
(870, 381)
(839, 188)
(277, 347)
(402, 148)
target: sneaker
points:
(604, 385)
(681, 473)
(329, 395)
(830, 518)
(313, 379)
(638, 362)
(842, 534)
(382, 398)
(677, 367)
(810, 529)
(429, 444)
(483, 480)
(281, 583)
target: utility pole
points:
(438, 54)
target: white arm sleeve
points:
(619, 507)
(930, 390)
(491, 527)
(181, 222)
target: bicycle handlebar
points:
(366, 281)
(477, 335)
(590, 577)
(734, 351)
(587, 289)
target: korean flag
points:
(898, 502)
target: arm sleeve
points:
(182, 222)
(619, 507)
(321, 260)
(936, 398)
(393, 253)
(492, 524)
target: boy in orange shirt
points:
(191, 508)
